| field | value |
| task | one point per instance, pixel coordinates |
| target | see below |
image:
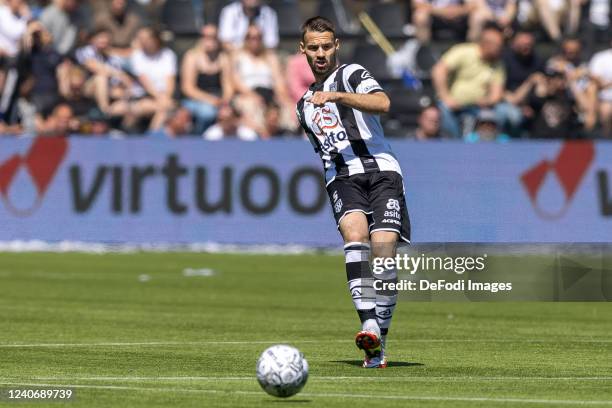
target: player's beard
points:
(322, 71)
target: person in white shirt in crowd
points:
(228, 126)
(236, 18)
(14, 17)
(155, 66)
(600, 69)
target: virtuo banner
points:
(150, 191)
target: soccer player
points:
(339, 113)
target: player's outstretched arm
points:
(377, 102)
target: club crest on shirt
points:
(333, 87)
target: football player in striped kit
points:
(340, 114)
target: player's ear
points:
(302, 47)
(337, 44)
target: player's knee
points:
(355, 235)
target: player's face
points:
(320, 50)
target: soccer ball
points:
(282, 370)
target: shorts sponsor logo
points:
(393, 204)
(393, 213)
(335, 196)
(391, 221)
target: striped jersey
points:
(349, 141)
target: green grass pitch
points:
(93, 322)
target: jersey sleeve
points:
(362, 82)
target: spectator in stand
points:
(66, 22)
(273, 123)
(61, 122)
(205, 78)
(98, 59)
(550, 106)
(39, 68)
(299, 76)
(74, 92)
(228, 125)
(553, 15)
(121, 22)
(502, 12)
(237, 17)
(430, 15)
(576, 71)
(14, 17)
(178, 124)
(520, 61)
(115, 92)
(429, 124)
(599, 19)
(470, 77)
(486, 129)
(258, 81)
(600, 69)
(155, 68)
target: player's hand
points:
(321, 98)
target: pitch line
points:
(321, 395)
(240, 342)
(323, 378)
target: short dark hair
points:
(318, 24)
(523, 31)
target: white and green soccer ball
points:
(282, 371)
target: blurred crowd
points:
(103, 70)
(103, 67)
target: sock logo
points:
(569, 168)
(41, 162)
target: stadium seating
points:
(390, 17)
(182, 17)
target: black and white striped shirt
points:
(349, 141)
